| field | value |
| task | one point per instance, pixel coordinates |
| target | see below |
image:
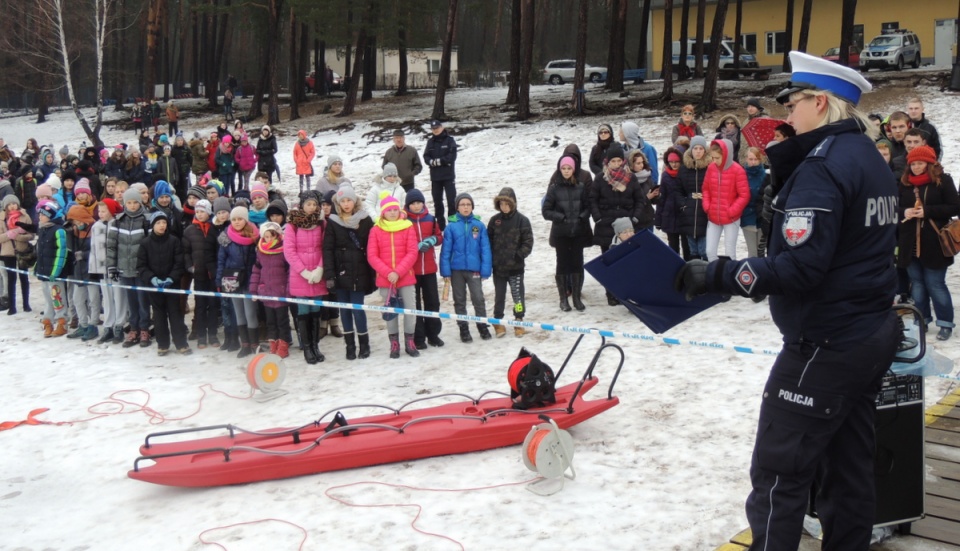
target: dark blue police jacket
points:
(829, 269)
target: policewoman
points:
(831, 281)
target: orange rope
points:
(535, 444)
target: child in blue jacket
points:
(466, 261)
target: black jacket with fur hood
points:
(511, 236)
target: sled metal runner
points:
(336, 442)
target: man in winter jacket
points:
(406, 159)
(465, 259)
(441, 156)
(920, 122)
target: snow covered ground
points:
(666, 469)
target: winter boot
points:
(247, 344)
(363, 339)
(348, 338)
(47, 328)
(81, 331)
(25, 292)
(435, 341)
(612, 300)
(519, 331)
(193, 330)
(395, 346)
(61, 328)
(74, 322)
(305, 325)
(464, 332)
(91, 333)
(273, 345)
(106, 337)
(335, 328)
(117, 335)
(411, 346)
(499, 330)
(562, 289)
(484, 331)
(12, 309)
(144, 339)
(283, 348)
(322, 331)
(577, 287)
(132, 338)
(315, 341)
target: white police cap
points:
(814, 73)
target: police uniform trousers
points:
(817, 424)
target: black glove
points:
(113, 274)
(691, 280)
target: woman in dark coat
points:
(604, 139)
(928, 200)
(693, 220)
(668, 209)
(267, 152)
(567, 206)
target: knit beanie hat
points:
(140, 187)
(310, 195)
(389, 169)
(8, 200)
(414, 196)
(54, 181)
(157, 216)
(923, 153)
(161, 188)
(227, 139)
(614, 152)
(346, 192)
(221, 204)
(83, 186)
(277, 206)
(217, 185)
(44, 190)
(673, 156)
(328, 197)
(621, 225)
(461, 197)
(64, 151)
(698, 140)
(203, 205)
(132, 194)
(271, 226)
(568, 161)
(754, 102)
(390, 203)
(48, 208)
(606, 127)
(197, 192)
(333, 159)
(258, 190)
(113, 206)
(240, 212)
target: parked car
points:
(891, 49)
(311, 81)
(635, 76)
(747, 59)
(561, 71)
(833, 54)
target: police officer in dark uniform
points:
(831, 281)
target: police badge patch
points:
(746, 278)
(798, 227)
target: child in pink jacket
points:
(726, 192)
(246, 156)
(303, 249)
(392, 252)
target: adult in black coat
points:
(567, 207)
(266, 152)
(615, 193)
(604, 139)
(693, 220)
(440, 155)
(160, 265)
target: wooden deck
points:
(940, 529)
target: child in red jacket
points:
(726, 192)
(427, 294)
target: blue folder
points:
(640, 273)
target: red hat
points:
(923, 153)
(113, 206)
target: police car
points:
(891, 49)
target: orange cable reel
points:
(548, 451)
(266, 373)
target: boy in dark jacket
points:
(51, 264)
(511, 241)
(160, 265)
(427, 295)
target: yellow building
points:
(764, 21)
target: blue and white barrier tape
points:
(441, 315)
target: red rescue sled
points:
(242, 456)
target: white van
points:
(747, 59)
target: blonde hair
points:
(883, 145)
(838, 110)
(756, 153)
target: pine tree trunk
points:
(738, 39)
(788, 31)
(644, 35)
(618, 37)
(683, 72)
(582, 26)
(402, 53)
(294, 80)
(513, 89)
(302, 63)
(443, 79)
(709, 100)
(350, 102)
(369, 68)
(805, 25)
(847, 17)
(666, 72)
(698, 46)
(154, 20)
(526, 48)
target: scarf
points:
(618, 178)
(188, 210)
(239, 239)
(392, 226)
(642, 175)
(671, 171)
(755, 175)
(920, 180)
(688, 130)
(303, 142)
(732, 135)
(352, 221)
(270, 247)
(305, 221)
(204, 226)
